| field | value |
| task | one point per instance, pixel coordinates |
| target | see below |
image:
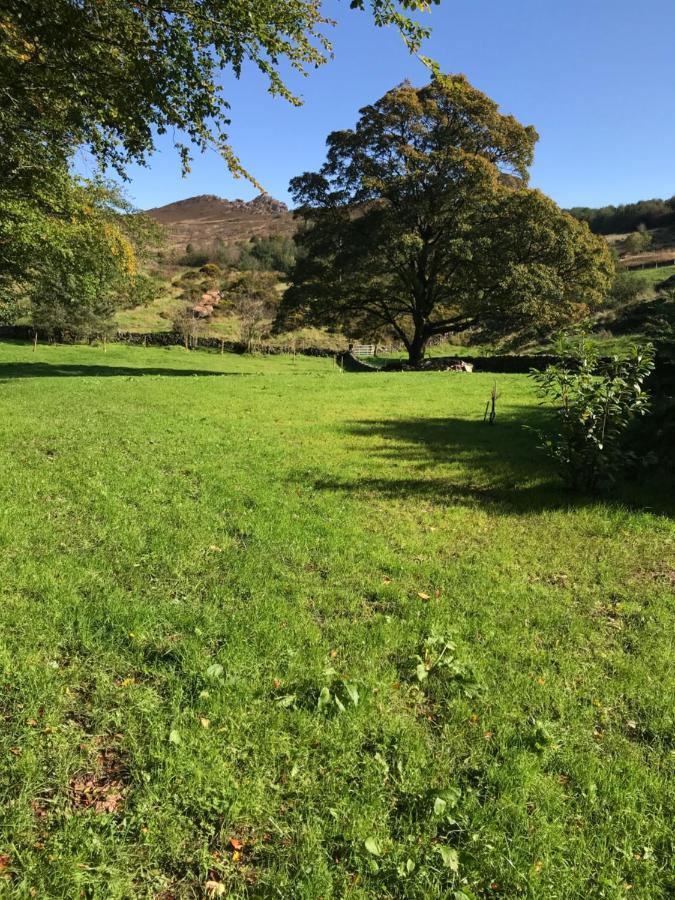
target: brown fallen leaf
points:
(276, 684)
(236, 844)
(5, 860)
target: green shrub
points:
(211, 269)
(595, 403)
(627, 287)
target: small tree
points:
(188, 326)
(595, 403)
(637, 242)
(253, 298)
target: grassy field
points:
(268, 630)
(654, 276)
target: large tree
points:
(421, 222)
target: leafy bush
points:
(193, 257)
(596, 402)
(211, 269)
(627, 287)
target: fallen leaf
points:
(422, 595)
(386, 580)
(215, 549)
(236, 844)
(333, 654)
(5, 860)
(205, 723)
(31, 722)
(214, 889)
(276, 684)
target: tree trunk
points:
(417, 347)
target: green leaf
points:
(439, 806)
(324, 698)
(215, 670)
(174, 737)
(373, 846)
(287, 700)
(450, 858)
(422, 673)
(353, 692)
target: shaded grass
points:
(199, 551)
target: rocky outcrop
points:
(206, 304)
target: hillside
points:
(204, 219)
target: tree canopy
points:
(109, 74)
(421, 222)
(68, 265)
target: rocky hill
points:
(202, 220)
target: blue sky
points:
(595, 77)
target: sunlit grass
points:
(219, 576)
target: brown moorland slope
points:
(204, 219)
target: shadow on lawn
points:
(9, 371)
(499, 466)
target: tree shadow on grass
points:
(452, 461)
(12, 370)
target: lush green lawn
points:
(218, 579)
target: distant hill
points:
(204, 219)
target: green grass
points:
(654, 276)
(191, 540)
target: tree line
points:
(627, 217)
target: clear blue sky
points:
(595, 77)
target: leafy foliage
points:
(595, 404)
(110, 74)
(72, 259)
(420, 222)
(253, 297)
